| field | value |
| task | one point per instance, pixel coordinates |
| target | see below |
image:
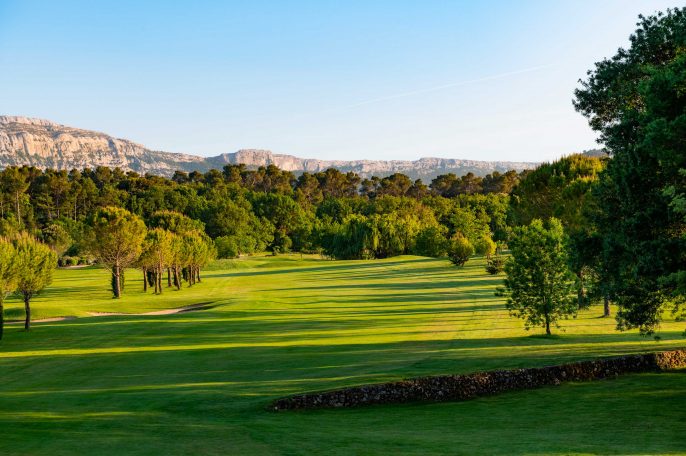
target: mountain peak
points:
(27, 121)
(45, 144)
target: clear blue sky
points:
(369, 79)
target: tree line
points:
(173, 244)
(173, 227)
(615, 230)
(246, 211)
(581, 230)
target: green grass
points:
(198, 382)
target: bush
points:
(485, 246)
(495, 265)
(67, 261)
(246, 244)
(57, 237)
(282, 243)
(460, 249)
(431, 241)
(226, 247)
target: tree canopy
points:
(636, 101)
(116, 241)
(35, 263)
(538, 283)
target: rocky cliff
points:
(45, 144)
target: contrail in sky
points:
(437, 88)
(421, 91)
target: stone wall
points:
(468, 386)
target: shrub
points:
(246, 244)
(495, 265)
(484, 246)
(226, 247)
(67, 261)
(460, 249)
(431, 241)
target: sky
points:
(484, 80)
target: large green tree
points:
(198, 250)
(157, 255)
(14, 183)
(8, 275)
(117, 241)
(563, 189)
(636, 100)
(539, 284)
(35, 263)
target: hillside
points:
(46, 144)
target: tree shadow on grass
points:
(329, 269)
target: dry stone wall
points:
(468, 386)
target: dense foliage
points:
(636, 100)
(609, 229)
(539, 283)
(79, 213)
(26, 267)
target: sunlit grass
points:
(198, 382)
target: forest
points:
(177, 225)
(607, 229)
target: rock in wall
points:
(469, 386)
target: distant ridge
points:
(46, 144)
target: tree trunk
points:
(16, 199)
(197, 274)
(581, 292)
(2, 320)
(169, 281)
(177, 279)
(159, 280)
(606, 307)
(27, 308)
(116, 282)
(547, 325)
(145, 280)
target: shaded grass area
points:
(199, 381)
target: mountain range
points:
(45, 144)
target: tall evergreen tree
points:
(116, 241)
(637, 102)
